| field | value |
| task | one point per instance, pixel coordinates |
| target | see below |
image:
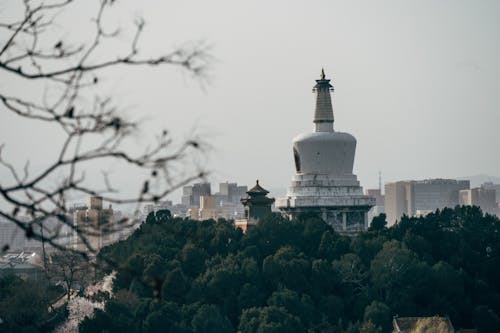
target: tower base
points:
(346, 221)
(339, 202)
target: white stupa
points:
(324, 182)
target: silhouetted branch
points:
(71, 74)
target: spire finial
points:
(257, 181)
(323, 114)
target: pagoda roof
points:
(257, 189)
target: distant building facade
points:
(208, 209)
(481, 197)
(420, 197)
(160, 205)
(228, 199)
(379, 207)
(96, 223)
(428, 195)
(176, 210)
(231, 192)
(495, 187)
(187, 196)
(395, 201)
(199, 203)
(191, 194)
(14, 238)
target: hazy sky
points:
(416, 82)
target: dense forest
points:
(24, 305)
(180, 275)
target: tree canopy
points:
(282, 276)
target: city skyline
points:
(428, 69)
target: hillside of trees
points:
(25, 305)
(180, 275)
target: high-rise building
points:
(208, 209)
(420, 197)
(200, 189)
(379, 207)
(481, 197)
(228, 199)
(395, 201)
(324, 182)
(224, 188)
(95, 225)
(377, 194)
(14, 238)
(191, 194)
(95, 203)
(187, 196)
(160, 205)
(491, 186)
(426, 196)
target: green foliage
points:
(164, 319)
(287, 267)
(179, 275)
(269, 320)
(379, 315)
(485, 319)
(175, 286)
(193, 260)
(294, 304)
(208, 319)
(23, 305)
(378, 223)
(370, 327)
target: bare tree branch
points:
(79, 107)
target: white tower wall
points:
(324, 181)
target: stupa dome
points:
(328, 153)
